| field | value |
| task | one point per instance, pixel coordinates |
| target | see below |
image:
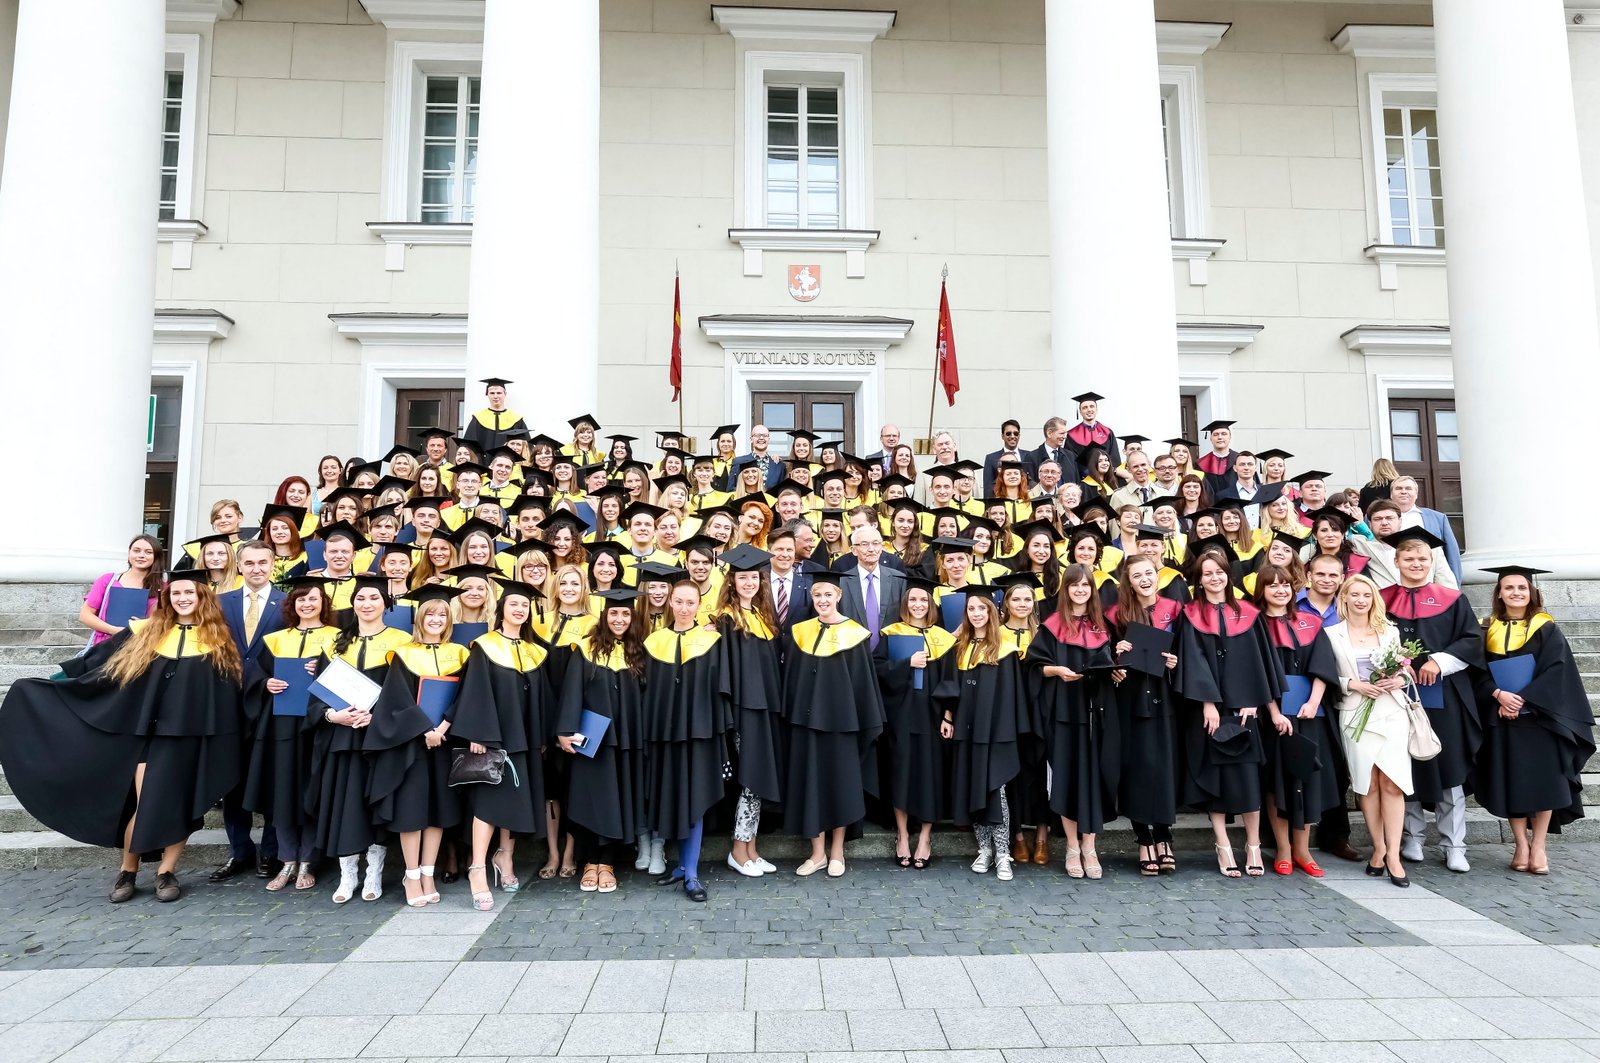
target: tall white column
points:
(534, 298)
(78, 212)
(1522, 297)
(1112, 327)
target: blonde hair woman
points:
(1375, 742)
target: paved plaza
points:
(883, 966)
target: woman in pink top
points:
(142, 573)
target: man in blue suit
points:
(771, 465)
(252, 612)
(791, 585)
(1404, 493)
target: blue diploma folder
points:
(1512, 673)
(314, 554)
(463, 634)
(1431, 697)
(1296, 693)
(952, 610)
(593, 727)
(435, 695)
(399, 617)
(292, 670)
(125, 603)
(901, 648)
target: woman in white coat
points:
(1380, 760)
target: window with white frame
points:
(1411, 176)
(804, 183)
(1183, 150)
(448, 151)
(179, 111)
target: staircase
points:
(37, 632)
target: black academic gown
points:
(1224, 657)
(506, 703)
(688, 720)
(1535, 762)
(992, 718)
(408, 784)
(1083, 739)
(834, 714)
(488, 429)
(605, 792)
(70, 748)
(918, 783)
(756, 688)
(1147, 720)
(279, 764)
(1442, 620)
(1304, 650)
(336, 785)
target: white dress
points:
(1385, 743)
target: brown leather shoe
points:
(1343, 850)
(1041, 853)
(125, 887)
(167, 888)
(1019, 849)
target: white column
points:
(534, 297)
(1522, 299)
(1112, 312)
(77, 277)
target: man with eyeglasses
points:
(1010, 447)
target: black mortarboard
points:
(947, 545)
(559, 519)
(585, 419)
(468, 466)
(1517, 570)
(502, 452)
(641, 509)
(616, 436)
(724, 429)
(1214, 542)
(663, 482)
(397, 482)
(1230, 741)
(1134, 437)
(296, 515)
(745, 558)
(1175, 440)
(1150, 533)
(1418, 533)
(433, 432)
(374, 467)
(985, 523)
(1088, 396)
(803, 433)
(1017, 579)
(1273, 452)
(826, 576)
(1333, 513)
(367, 582)
(354, 494)
(916, 582)
(912, 504)
(610, 490)
(391, 510)
(346, 529)
(656, 572)
(620, 597)
(895, 479)
(1289, 539)
(494, 382)
(427, 503)
(1164, 500)
(474, 524)
(432, 592)
(786, 485)
(206, 540)
(399, 449)
(515, 586)
(1025, 531)
(1299, 754)
(835, 474)
(1310, 474)
(542, 440)
(526, 502)
(1214, 425)
(306, 582)
(941, 470)
(699, 542)
(461, 572)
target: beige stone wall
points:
(294, 145)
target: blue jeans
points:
(236, 821)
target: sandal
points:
(591, 878)
(1228, 867)
(281, 879)
(1169, 863)
(920, 863)
(506, 880)
(1091, 864)
(305, 880)
(1254, 868)
(482, 901)
(1074, 864)
(419, 899)
(1148, 868)
(431, 895)
(608, 879)
(548, 871)
(569, 871)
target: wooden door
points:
(419, 408)
(1424, 445)
(832, 415)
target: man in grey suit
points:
(871, 594)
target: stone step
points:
(43, 635)
(27, 850)
(16, 819)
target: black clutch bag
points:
(467, 767)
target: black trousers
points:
(592, 849)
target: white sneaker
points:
(1411, 850)
(749, 869)
(1002, 868)
(1455, 858)
(985, 859)
(642, 861)
(658, 856)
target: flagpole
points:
(933, 391)
(677, 297)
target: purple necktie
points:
(872, 607)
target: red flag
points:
(949, 375)
(675, 369)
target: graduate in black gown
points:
(280, 742)
(1227, 673)
(492, 426)
(1147, 720)
(986, 717)
(505, 703)
(917, 786)
(1538, 736)
(1442, 620)
(408, 782)
(1300, 778)
(745, 616)
(834, 713)
(1071, 660)
(336, 785)
(688, 720)
(141, 739)
(605, 793)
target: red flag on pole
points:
(949, 374)
(675, 369)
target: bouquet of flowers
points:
(1387, 663)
